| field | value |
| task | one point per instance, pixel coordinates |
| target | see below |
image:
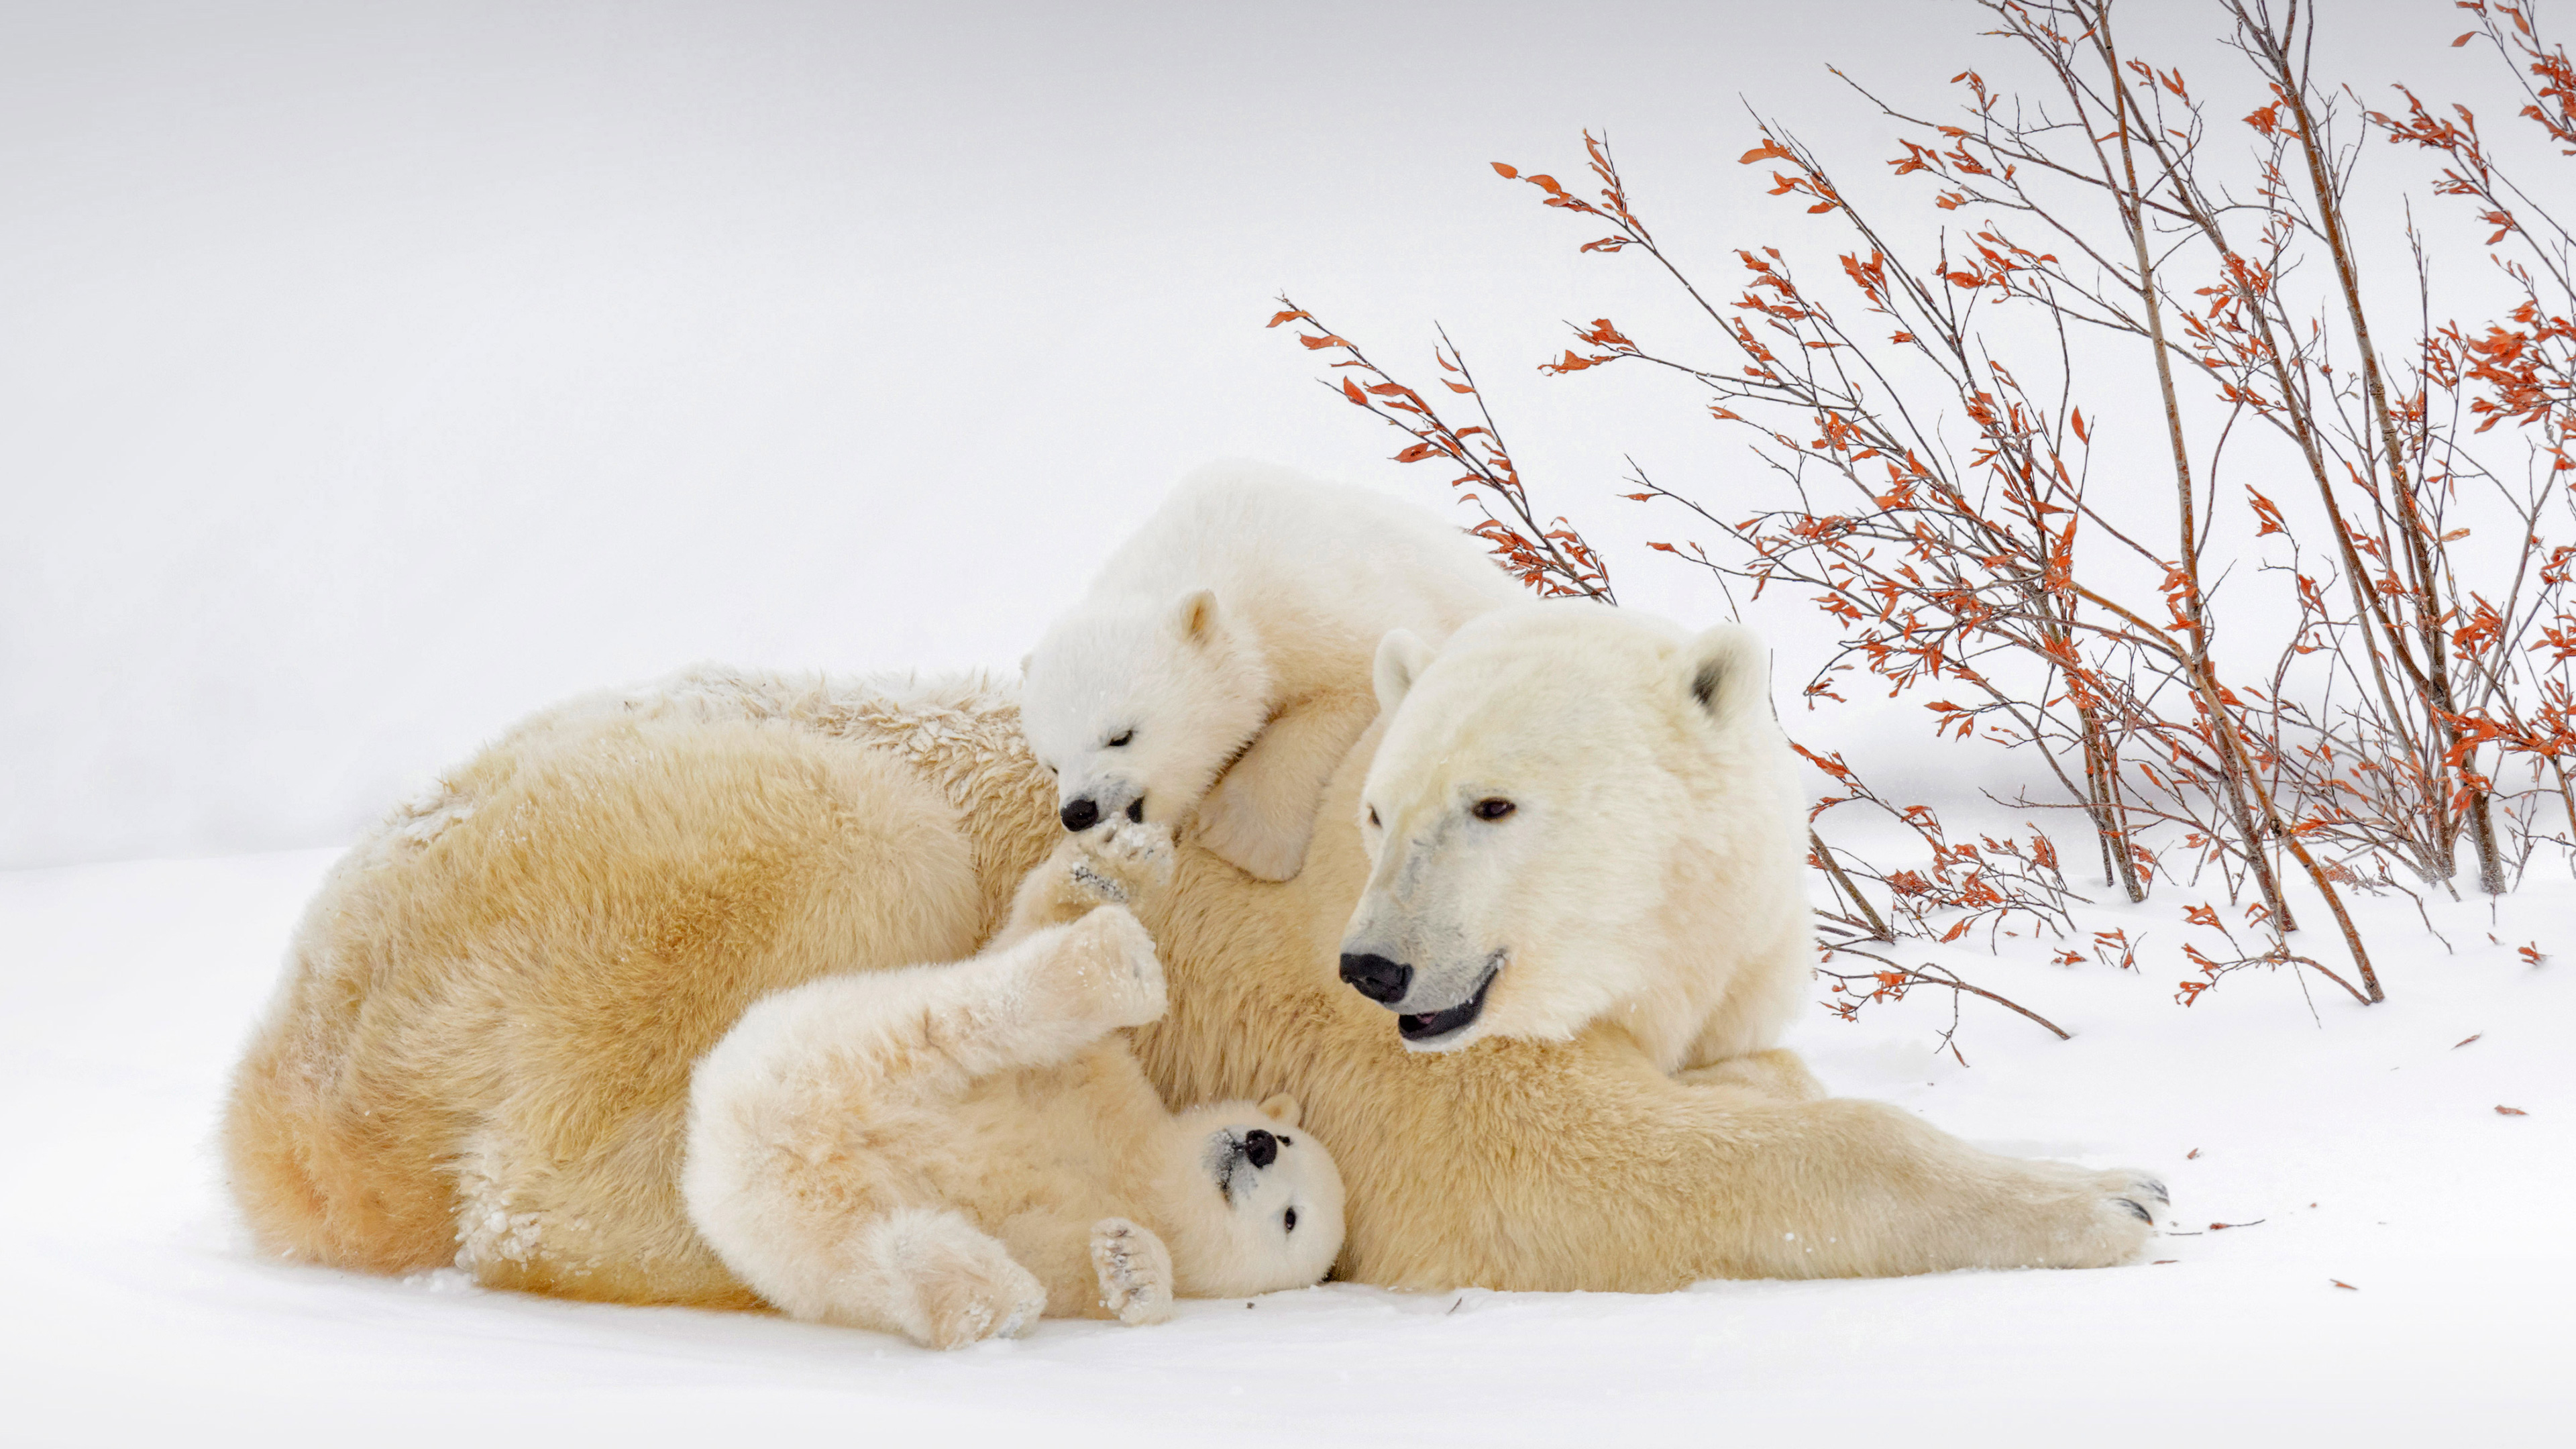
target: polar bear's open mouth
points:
(1430, 1028)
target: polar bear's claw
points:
(1126, 856)
(2124, 1219)
(1135, 1271)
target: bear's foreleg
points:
(1836, 1187)
(1133, 1270)
(1261, 815)
(1111, 1267)
(1106, 866)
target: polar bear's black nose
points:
(1080, 815)
(1376, 978)
(1261, 1147)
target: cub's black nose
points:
(1136, 809)
(1261, 1147)
(1081, 815)
(1376, 978)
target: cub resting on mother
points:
(481, 1054)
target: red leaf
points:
(1506, 172)
(2511, 1112)
(2463, 40)
(1769, 150)
(1289, 317)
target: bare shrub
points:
(2276, 663)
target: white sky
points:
(370, 376)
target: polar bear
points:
(481, 1049)
(1231, 637)
(1580, 814)
(951, 1151)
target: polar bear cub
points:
(952, 1151)
(1228, 633)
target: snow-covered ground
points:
(2362, 1146)
(374, 374)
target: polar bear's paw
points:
(964, 1290)
(1135, 1271)
(2126, 1205)
(1103, 970)
(2136, 1194)
(1122, 858)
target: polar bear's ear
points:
(1401, 658)
(1025, 661)
(1281, 1109)
(1194, 617)
(1727, 673)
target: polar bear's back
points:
(1278, 546)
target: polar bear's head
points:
(1137, 708)
(1254, 1203)
(1572, 806)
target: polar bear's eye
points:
(1292, 1220)
(1373, 817)
(1494, 808)
(1121, 738)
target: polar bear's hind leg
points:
(938, 1280)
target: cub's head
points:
(1137, 708)
(1567, 802)
(1255, 1203)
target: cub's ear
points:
(1193, 619)
(1282, 1108)
(1401, 658)
(1025, 661)
(1726, 674)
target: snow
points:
(377, 375)
(2360, 1145)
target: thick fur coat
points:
(951, 1150)
(1581, 814)
(1217, 672)
(481, 1052)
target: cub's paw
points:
(1122, 858)
(961, 1292)
(1103, 968)
(1135, 1271)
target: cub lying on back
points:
(1236, 628)
(951, 1151)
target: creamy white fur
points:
(952, 1151)
(1232, 629)
(1649, 871)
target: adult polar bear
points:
(481, 1052)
